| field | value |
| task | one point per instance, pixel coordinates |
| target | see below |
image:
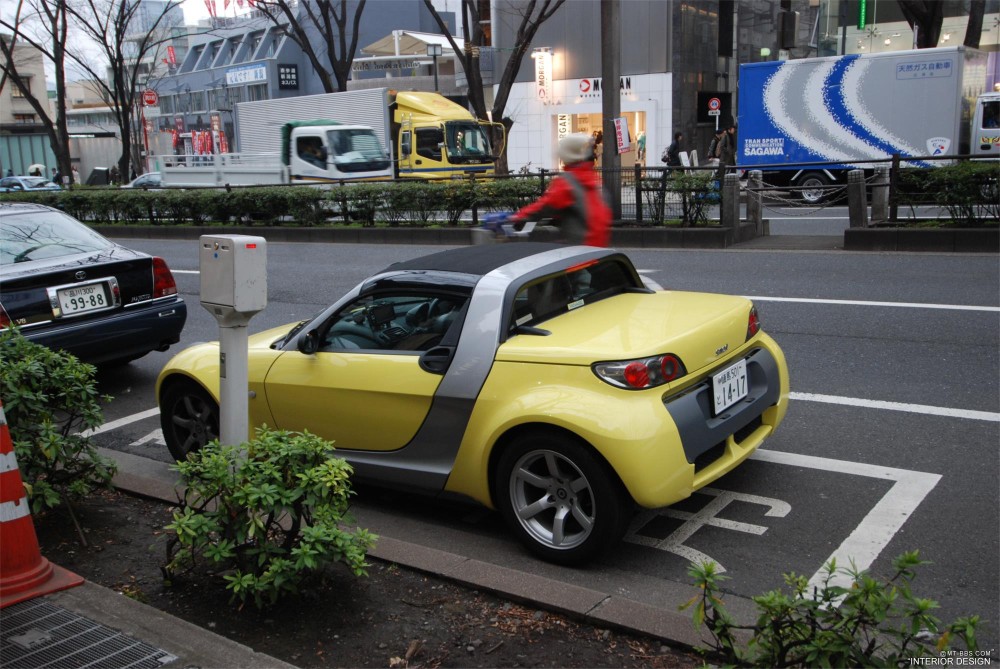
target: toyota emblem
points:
(81, 275)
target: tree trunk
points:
(974, 31)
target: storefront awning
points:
(409, 43)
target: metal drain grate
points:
(36, 634)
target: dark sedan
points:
(67, 287)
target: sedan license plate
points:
(83, 299)
(730, 386)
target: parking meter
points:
(233, 289)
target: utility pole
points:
(611, 100)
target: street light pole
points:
(434, 50)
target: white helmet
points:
(576, 148)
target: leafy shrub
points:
(268, 512)
(456, 197)
(969, 191)
(358, 202)
(50, 398)
(509, 194)
(868, 624)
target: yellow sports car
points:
(541, 380)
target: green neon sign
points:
(862, 11)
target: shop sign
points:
(249, 74)
(383, 65)
(563, 125)
(621, 135)
(543, 75)
(592, 88)
(288, 77)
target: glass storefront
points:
(591, 124)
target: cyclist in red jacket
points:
(574, 200)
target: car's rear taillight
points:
(4, 318)
(641, 374)
(753, 323)
(163, 280)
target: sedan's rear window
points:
(37, 235)
(558, 293)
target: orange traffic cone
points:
(24, 573)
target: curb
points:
(153, 478)
(949, 240)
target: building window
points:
(166, 104)
(257, 92)
(16, 92)
(24, 119)
(198, 101)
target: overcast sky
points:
(196, 10)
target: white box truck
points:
(845, 109)
(308, 152)
(427, 135)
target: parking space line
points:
(948, 412)
(883, 521)
(866, 303)
(121, 422)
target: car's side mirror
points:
(308, 342)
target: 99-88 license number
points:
(82, 299)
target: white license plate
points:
(82, 299)
(730, 386)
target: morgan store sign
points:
(593, 88)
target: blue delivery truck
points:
(851, 108)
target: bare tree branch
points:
(332, 57)
(534, 14)
(113, 25)
(50, 18)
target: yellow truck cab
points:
(438, 139)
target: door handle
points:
(437, 360)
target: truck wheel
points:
(189, 418)
(563, 504)
(812, 184)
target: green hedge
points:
(969, 191)
(393, 203)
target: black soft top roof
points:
(473, 260)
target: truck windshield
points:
(356, 150)
(467, 143)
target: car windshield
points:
(566, 291)
(35, 235)
(356, 150)
(467, 140)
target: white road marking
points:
(885, 519)
(708, 515)
(969, 414)
(122, 422)
(866, 303)
(863, 303)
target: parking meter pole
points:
(233, 290)
(234, 381)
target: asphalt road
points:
(890, 443)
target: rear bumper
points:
(129, 334)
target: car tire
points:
(189, 418)
(563, 503)
(813, 186)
